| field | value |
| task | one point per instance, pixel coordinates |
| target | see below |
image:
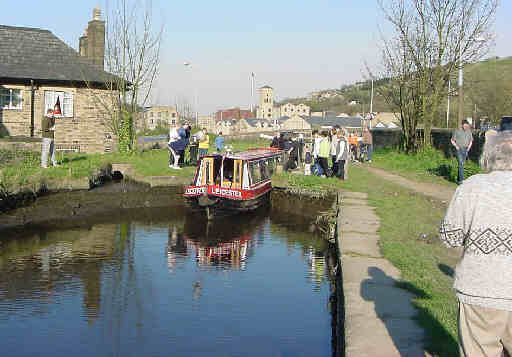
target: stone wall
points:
(86, 131)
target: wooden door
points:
(238, 174)
(207, 171)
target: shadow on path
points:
(403, 318)
(447, 270)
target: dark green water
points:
(175, 286)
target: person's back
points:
(325, 147)
(219, 142)
(479, 219)
(367, 137)
(484, 219)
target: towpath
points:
(380, 319)
(440, 192)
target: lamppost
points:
(461, 82)
(189, 65)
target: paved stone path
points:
(379, 317)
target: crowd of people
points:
(180, 139)
(333, 149)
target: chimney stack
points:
(92, 43)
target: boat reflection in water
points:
(218, 244)
(106, 288)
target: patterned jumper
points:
(479, 218)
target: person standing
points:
(219, 142)
(173, 136)
(368, 143)
(204, 143)
(479, 219)
(323, 153)
(48, 144)
(341, 156)
(462, 139)
(334, 148)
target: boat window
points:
(254, 169)
(271, 165)
(264, 170)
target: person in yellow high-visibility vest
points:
(204, 143)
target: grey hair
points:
(497, 153)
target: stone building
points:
(158, 116)
(207, 122)
(266, 107)
(37, 69)
(289, 109)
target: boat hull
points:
(220, 206)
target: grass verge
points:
(429, 165)
(409, 240)
(21, 169)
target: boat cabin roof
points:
(251, 154)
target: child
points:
(308, 160)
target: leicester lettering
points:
(226, 192)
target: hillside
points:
(487, 85)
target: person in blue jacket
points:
(177, 148)
(219, 142)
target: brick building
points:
(37, 69)
(235, 113)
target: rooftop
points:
(37, 54)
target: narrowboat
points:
(233, 182)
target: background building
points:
(234, 113)
(158, 116)
(266, 107)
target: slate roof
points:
(32, 53)
(348, 122)
(253, 121)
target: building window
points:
(10, 98)
(173, 115)
(151, 114)
(65, 99)
(159, 115)
(166, 115)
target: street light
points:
(189, 65)
(461, 82)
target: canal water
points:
(161, 284)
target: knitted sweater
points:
(479, 219)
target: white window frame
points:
(65, 99)
(10, 106)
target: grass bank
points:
(19, 169)
(429, 165)
(409, 239)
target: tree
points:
(132, 57)
(490, 89)
(430, 40)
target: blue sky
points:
(294, 46)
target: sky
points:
(295, 46)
